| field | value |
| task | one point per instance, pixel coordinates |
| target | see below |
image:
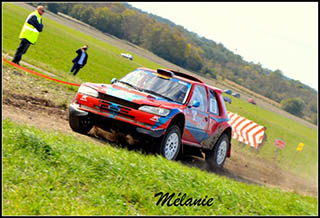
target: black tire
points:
(171, 143)
(217, 156)
(81, 124)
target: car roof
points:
(187, 78)
(177, 74)
(220, 91)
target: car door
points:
(214, 112)
(196, 116)
(213, 132)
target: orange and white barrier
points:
(245, 131)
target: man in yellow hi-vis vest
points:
(29, 33)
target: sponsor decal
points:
(155, 118)
(84, 98)
(163, 120)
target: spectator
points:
(29, 33)
(80, 60)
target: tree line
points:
(176, 44)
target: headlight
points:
(88, 91)
(155, 110)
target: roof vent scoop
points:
(165, 72)
(187, 76)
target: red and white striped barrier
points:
(245, 131)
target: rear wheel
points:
(81, 124)
(217, 156)
(171, 143)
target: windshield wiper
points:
(129, 84)
(155, 93)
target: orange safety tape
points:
(38, 74)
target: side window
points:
(213, 103)
(200, 94)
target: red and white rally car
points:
(169, 108)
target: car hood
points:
(133, 95)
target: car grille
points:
(114, 109)
(119, 101)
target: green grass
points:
(48, 173)
(304, 163)
(56, 47)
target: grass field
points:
(304, 163)
(56, 48)
(49, 173)
(53, 174)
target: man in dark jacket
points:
(80, 60)
(29, 32)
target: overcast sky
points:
(277, 35)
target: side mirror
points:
(113, 80)
(195, 103)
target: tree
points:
(53, 7)
(193, 59)
(86, 14)
(293, 105)
(133, 26)
(76, 11)
(100, 19)
(65, 8)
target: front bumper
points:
(110, 121)
(152, 133)
(74, 110)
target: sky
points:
(278, 35)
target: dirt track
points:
(26, 103)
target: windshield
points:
(171, 89)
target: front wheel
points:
(80, 124)
(171, 143)
(218, 154)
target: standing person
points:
(29, 33)
(80, 60)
